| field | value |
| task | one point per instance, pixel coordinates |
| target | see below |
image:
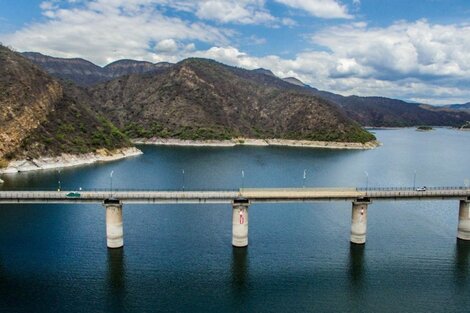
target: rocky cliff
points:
(203, 99)
(84, 73)
(39, 118)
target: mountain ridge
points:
(85, 73)
(368, 111)
(204, 99)
(39, 119)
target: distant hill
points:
(38, 118)
(294, 81)
(461, 107)
(85, 73)
(204, 99)
(368, 111)
(386, 112)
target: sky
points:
(414, 50)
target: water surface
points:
(178, 258)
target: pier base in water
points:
(464, 220)
(359, 221)
(240, 223)
(114, 227)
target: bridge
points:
(241, 199)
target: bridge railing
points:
(108, 190)
(463, 188)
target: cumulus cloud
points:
(106, 30)
(319, 8)
(402, 50)
(326, 71)
(238, 11)
(416, 61)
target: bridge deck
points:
(255, 195)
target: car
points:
(73, 195)
(421, 188)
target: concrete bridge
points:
(241, 199)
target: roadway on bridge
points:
(254, 195)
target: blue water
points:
(179, 258)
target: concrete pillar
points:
(359, 221)
(464, 220)
(240, 223)
(114, 229)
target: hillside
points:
(386, 112)
(37, 118)
(84, 73)
(204, 99)
(462, 107)
(368, 111)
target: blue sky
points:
(416, 50)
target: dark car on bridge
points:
(73, 195)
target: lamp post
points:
(111, 182)
(243, 178)
(367, 181)
(414, 180)
(305, 177)
(59, 188)
(183, 178)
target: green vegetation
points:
(72, 128)
(424, 128)
(134, 130)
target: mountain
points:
(294, 81)
(38, 118)
(462, 107)
(368, 111)
(127, 67)
(204, 99)
(264, 71)
(84, 73)
(386, 112)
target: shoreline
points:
(69, 160)
(257, 142)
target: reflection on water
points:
(356, 264)
(239, 271)
(116, 283)
(462, 263)
(356, 277)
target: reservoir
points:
(179, 258)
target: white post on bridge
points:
(463, 232)
(359, 221)
(114, 226)
(240, 223)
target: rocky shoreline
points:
(104, 155)
(257, 142)
(68, 160)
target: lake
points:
(179, 258)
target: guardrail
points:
(236, 189)
(410, 188)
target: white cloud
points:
(106, 30)
(417, 61)
(166, 45)
(402, 50)
(319, 8)
(236, 11)
(326, 71)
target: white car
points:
(421, 188)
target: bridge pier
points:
(464, 220)
(114, 229)
(240, 223)
(359, 221)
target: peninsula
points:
(48, 122)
